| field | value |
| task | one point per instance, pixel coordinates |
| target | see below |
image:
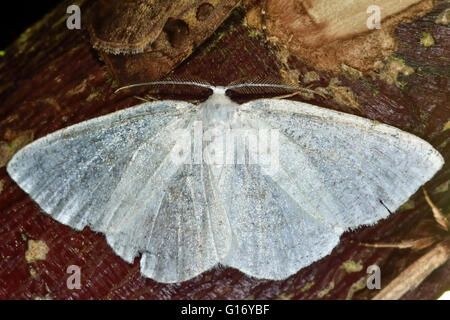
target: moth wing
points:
(71, 173)
(327, 172)
(121, 174)
(272, 235)
(349, 168)
(168, 209)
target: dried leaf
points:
(438, 216)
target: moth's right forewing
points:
(121, 175)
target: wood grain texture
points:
(343, 19)
(327, 34)
(51, 78)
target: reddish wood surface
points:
(51, 78)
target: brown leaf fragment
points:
(142, 40)
(128, 26)
(416, 244)
(438, 216)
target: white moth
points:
(266, 187)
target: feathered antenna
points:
(167, 82)
(264, 86)
(255, 86)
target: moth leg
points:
(146, 98)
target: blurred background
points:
(17, 16)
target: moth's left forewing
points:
(349, 166)
(334, 172)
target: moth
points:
(266, 187)
(145, 39)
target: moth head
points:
(219, 90)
